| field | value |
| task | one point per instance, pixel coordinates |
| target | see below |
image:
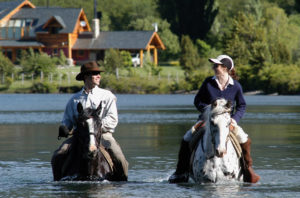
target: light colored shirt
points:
(229, 82)
(108, 114)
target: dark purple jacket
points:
(209, 91)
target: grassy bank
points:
(135, 80)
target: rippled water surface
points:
(149, 131)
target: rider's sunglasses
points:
(217, 65)
(93, 73)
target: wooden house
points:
(52, 29)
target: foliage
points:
(126, 58)
(283, 79)
(189, 58)
(182, 15)
(262, 37)
(122, 13)
(61, 59)
(290, 6)
(169, 39)
(149, 66)
(44, 87)
(113, 60)
(6, 66)
(35, 63)
(139, 85)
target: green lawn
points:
(65, 77)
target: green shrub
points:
(138, 85)
(6, 69)
(126, 59)
(283, 79)
(35, 63)
(44, 87)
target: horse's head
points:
(219, 125)
(88, 129)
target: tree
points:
(35, 63)
(169, 39)
(282, 36)
(113, 60)
(189, 58)
(190, 17)
(227, 12)
(6, 66)
(247, 44)
(122, 13)
(6, 69)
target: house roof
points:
(58, 19)
(129, 40)
(14, 43)
(42, 14)
(7, 7)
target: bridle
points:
(213, 133)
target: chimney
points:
(155, 25)
(95, 9)
(96, 21)
(96, 27)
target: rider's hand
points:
(63, 131)
(233, 124)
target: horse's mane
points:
(206, 113)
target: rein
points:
(220, 113)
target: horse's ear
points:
(99, 108)
(228, 104)
(79, 108)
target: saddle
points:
(107, 157)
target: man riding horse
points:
(91, 96)
(223, 85)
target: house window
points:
(3, 32)
(53, 30)
(55, 52)
(80, 53)
(17, 28)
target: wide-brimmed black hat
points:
(87, 68)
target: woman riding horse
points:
(216, 157)
(90, 97)
(223, 85)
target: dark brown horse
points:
(86, 159)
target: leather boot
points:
(249, 174)
(182, 171)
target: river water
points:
(149, 131)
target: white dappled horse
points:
(215, 158)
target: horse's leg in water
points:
(119, 160)
(58, 159)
